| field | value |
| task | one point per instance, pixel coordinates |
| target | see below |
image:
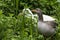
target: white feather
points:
(48, 18)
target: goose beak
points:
(34, 10)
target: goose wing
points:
(52, 23)
(48, 18)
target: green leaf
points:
(1, 12)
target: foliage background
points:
(14, 25)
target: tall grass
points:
(18, 25)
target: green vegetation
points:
(18, 25)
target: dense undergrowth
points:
(18, 25)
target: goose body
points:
(46, 29)
(46, 24)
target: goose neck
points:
(40, 16)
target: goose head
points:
(39, 12)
